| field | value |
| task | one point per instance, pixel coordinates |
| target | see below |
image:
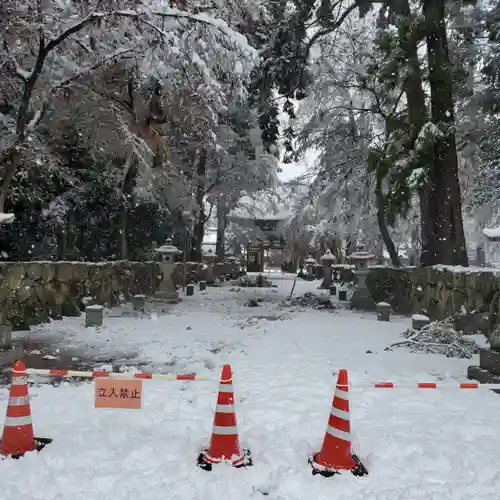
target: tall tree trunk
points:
(444, 196)
(199, 226)
(8, 167)
(220, 245)
(417, 114)
(127, 191)
(384, 232)
(122, 230)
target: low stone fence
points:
(33, 292)
(439, 291)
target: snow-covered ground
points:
(417, 444)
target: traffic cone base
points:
(358, 469)
(40, 444)
(205, 461)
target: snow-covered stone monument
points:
(167, 292)
(209, 260)
(327, 260)
(361, 297)
(310, 263)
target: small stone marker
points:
(190, 290)
(333, 290)
(114, 393)
(343, 295)
(5, 337)
(418, 321)
(203, 285)
(383, 311)
(94, 315)
(139, 302)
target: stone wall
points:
(33, 292)
(197, 271)
(439, 291)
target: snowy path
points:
(416, 444)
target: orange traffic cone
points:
(335, 454)
(224, 445)
(17, 437)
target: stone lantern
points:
(209, 260)
(361, 298)
(231, 266)
(327, 260)
(167, 291)
(310, 263)
(209, 256)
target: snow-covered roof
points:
(167, 249)
(492, 232)
(259, 207)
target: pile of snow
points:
(438, 337)
(310, 301)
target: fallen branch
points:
(438, 337)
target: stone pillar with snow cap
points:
(139, 303)
(94, 315)
(167, 291)
(384, 311)
(327, 260)
(361, 297)
(418, 321)
(209, 260)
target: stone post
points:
(5, 337)
(383, 311)
(94, 315)
(418, 321)
(210, 274)
(139, 303)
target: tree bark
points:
(445, 205)
(9, 167)
(382, 225)
(127, 191)
(220, 246)
(199, 226)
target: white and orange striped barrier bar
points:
(422, 385)
(210, 378)
(115, 375)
